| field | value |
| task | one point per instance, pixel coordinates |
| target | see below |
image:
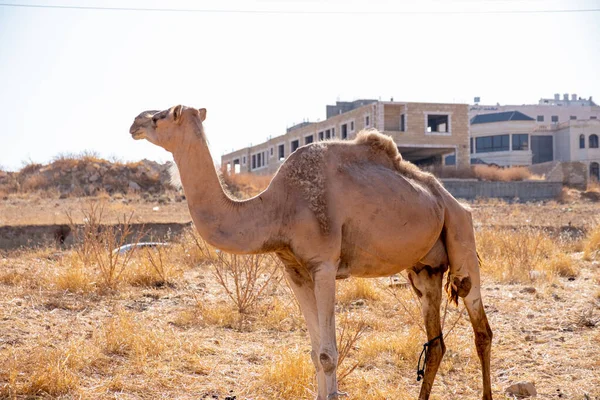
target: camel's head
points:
(167, 128)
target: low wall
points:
(13, 237)
(471, 189)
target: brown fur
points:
(305, 171)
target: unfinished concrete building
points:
(426, 133)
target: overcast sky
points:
(74, 79)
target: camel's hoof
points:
(337, 395)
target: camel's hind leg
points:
(464, 281)
(427, 283)
(483, 333)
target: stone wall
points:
(471, 189)
(574, 174)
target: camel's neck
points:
(234, 226)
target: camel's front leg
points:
(303, 290)
(324, 278)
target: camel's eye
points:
(155, 120)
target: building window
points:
(259, 160)
(593, 141)
(321, 135)
(471, 144)
(488, 144)
(451, 159)
(351, 126)
(332, 132)
(540, 118)
(520, 142)
(244, 160)
(294, 145)
(593, 117)
(254, 161)
(555, 118)
(403, 123)
(573, 117)
(345, 131)
(309, 139)
(271, 152)
(582, 141)
(328, 134)
(438, 123)
(595, 171)
(367, 122)
(281, 152)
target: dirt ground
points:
(184, 339)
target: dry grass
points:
(355, 289)
(289, 376)
(520, 255)
(591, 247)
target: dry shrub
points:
(287, 376)
(443, 172)
(493, 173)
(591, 247)
(154, 267)
(357, 289)
(563, 265)
(96, 244)
(485, 173)
(520, 255)
(243, 186)
(593, 186)
(244, 278)
(34, 182)
(350, 331)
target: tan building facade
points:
(424, 132)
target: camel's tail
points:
(460, 244)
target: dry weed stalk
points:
(96, 243)
(408, 301)
(245, 277)
(156, 259)
(350, 332)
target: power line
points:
(298, 12)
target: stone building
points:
(554, 130)
(425, 133)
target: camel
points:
(337, 209)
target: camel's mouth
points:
(138, 135)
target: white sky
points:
(73, 80)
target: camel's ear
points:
(202, 113)
(177, 110)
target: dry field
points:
(187, 322)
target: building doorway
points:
(595, 171)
